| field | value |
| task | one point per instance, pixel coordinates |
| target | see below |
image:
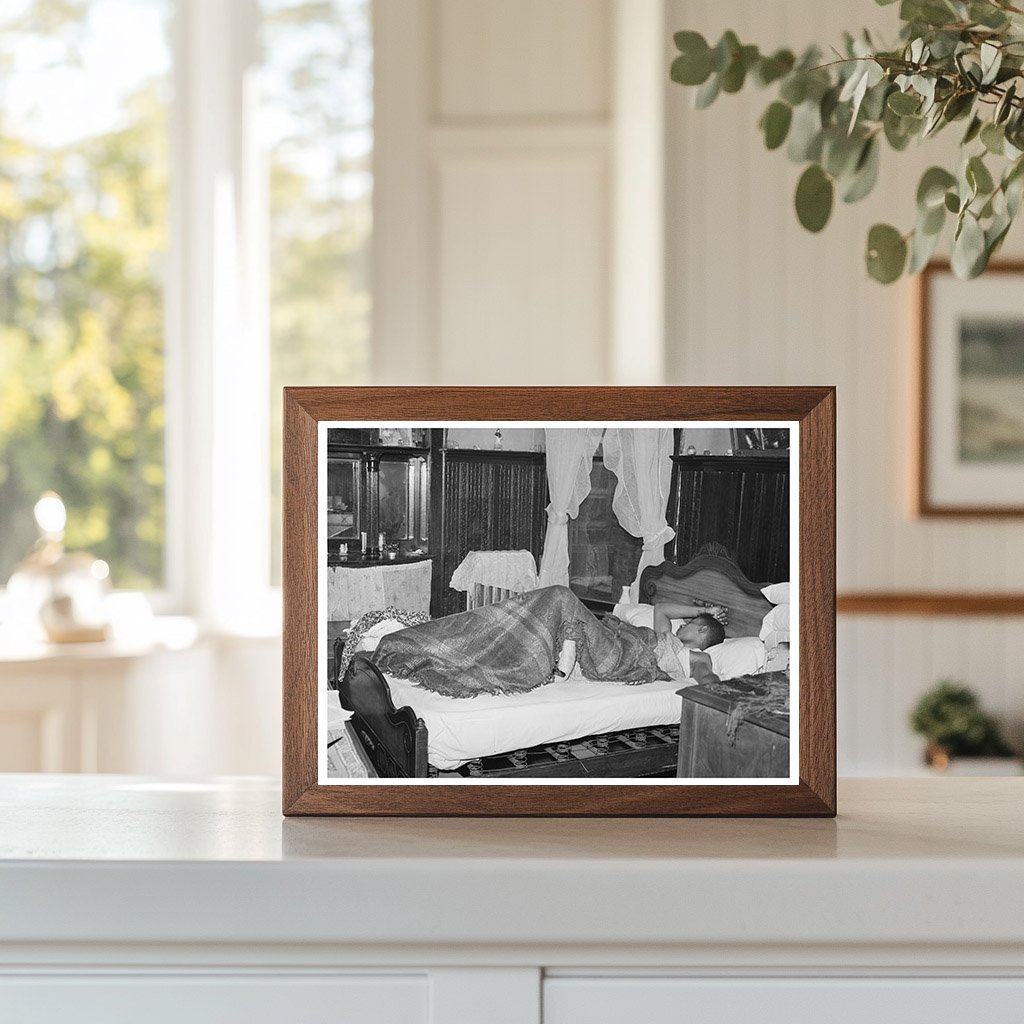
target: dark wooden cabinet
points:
(739, 501)
(482, 501)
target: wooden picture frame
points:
(953, 476)
(811, 789)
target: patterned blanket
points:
(513, 647)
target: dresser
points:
(127, 898)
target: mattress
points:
(460, 729)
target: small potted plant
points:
(950, 717)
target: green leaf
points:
(931, 191)
(839, 151)
(771, 69)
(969, 254)
(1004, 106)
(775, 124)
(866, 74)
(814, 194)
(934, 122)
(874, 103)
(725, 49)
(952, 202)
(903, 103)
(944, 44)
(958, 105)
(900, 130)
(991, 60)
(978, 176)
(693, 65)
(735, 74)
(930, 12)
(828, 104)
(931, 222)
(805, 133)
(922, 247)
(1013, 186)
(987, 15)
(865, 173)
(887, 253)
(973, 129)
(993, 138)
(707, 93)
(794, 89)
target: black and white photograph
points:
(574, 602)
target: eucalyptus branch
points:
(834, 116)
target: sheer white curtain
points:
(641, 459)
(570, 457)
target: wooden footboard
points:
(395, 739)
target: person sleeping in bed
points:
(538, 637)
(681, 653)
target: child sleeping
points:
(530, 639)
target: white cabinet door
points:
(202, 999)
(662, 1000)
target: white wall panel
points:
(754, 299)
(530, 58)
(522, 282)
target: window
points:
(249, 190)
(83, 237)
(317, 119)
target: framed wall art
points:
(531, 601)
(970, 423)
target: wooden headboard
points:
(708, 579)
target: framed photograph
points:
(532, 601)
(970, 444)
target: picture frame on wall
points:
(969, 448)
(461, 639)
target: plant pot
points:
(939, 759)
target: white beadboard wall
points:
(751, 298)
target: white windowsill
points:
(161, 633)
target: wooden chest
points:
(760, 748)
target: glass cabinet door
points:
(344, 480)
(403, 500)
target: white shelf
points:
(122, 859)
(127, 896)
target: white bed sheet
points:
(460, 729)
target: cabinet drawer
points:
(661, 1000)
(202, 999)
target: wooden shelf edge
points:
(928, 603)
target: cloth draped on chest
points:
(513, 647)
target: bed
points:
(568, 728)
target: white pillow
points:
(641, 615)
(776, 621)
(737, 656)
(777, 593)
(369, 640)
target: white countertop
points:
(124, 859)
